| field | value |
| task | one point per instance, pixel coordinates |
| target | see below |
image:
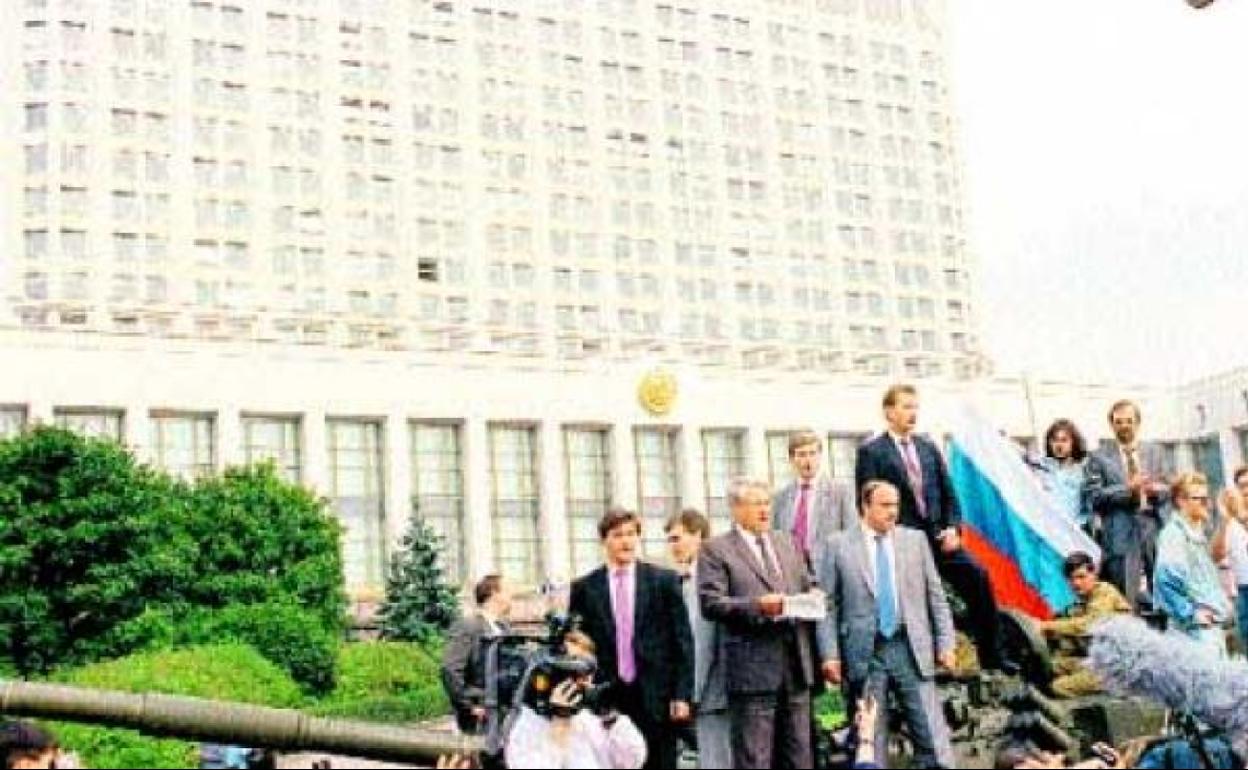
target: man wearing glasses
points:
(1186, 585)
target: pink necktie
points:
(624, 628)
(801, 523)
(915, 472)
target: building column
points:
(624, 468)
(137, 432)
(397, 443)
(315, 451)
(758, 462)
(1229, 444)
(229, 436)
(692, 475)
(478, 527)
(553, 519)
(40, 412)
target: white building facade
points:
(424, 253)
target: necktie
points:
(885, 591)
(801, 522)
(768, 563)
(627, 664)
(914, 471)
(1133, 462)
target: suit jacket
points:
(880, 460)
(463, 663)
(662, 640)
(756, 648)
(1107, 495)
(832, 509)
(853, 623)
(709, 690)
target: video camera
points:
(525, 670)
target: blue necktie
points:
(885, 591)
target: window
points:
(1242, 435)
(1207, 457)
(658, 482)
(274, 439)
(843, 455)
(97, 423)
(781, 470)
(12, 420)
(184, 444)
(515, 503)
(438, 491)
(588, 452)
(356, 488)
(723, 453)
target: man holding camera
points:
(570, 736)
(463, 663)
(635, 614)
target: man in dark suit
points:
(463, 662)
(743, 579)
(635, 614)
(1124, 485)
(916, 467)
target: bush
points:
(386, 682)
(87, 538)
(101, 557)
(224, 672)
(288, 636)
(420, 604)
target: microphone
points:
(1132, 659)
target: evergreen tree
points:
(421, 604)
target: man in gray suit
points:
(770, 661)
(812, 507)
(686, 532)
(889, 622)
(1126, 490)
(463, 662)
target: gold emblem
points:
(657, 393)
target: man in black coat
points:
(916, 467)
(635, 613)
(463, 662)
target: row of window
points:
(185, 444)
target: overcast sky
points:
(1106, 144)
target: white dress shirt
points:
(1237, 543)
(890, 545)
(751, 540)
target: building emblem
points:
(657, 392)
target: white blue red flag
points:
(1017, 530)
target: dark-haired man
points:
(1094, 600)
(635, 614)
(463, 663)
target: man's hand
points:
(865, 720)
(566, 696)
(832, 671)
(771, 605)
(950, 540)
(1138, 483)
(948, 660)
(681, 712)
(478, 713)
(1205, 618)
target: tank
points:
(195, 719)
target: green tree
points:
(420, 603)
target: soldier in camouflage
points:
(1068, 635)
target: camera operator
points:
(463, 664)
(572, 736)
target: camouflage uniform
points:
(1068, 640)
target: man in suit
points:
(463, 662)
(916, 467)
(686, 532)
(770, 661)
(889, 622)
(1126, 491)
(635, 614)
(812, 507)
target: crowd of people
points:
(724, 651)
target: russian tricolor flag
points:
(1011, 524)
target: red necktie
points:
(801, 522)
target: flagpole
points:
(1031, 410)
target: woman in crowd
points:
(1065, 452)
